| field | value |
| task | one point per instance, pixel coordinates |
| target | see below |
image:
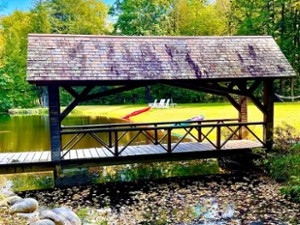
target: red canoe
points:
(136, 113)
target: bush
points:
(284, 167)
(293, 189)
(284, 162)
(286, 139)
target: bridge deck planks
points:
(27, 158)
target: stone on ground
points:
(48, 214)
(68, 214)
(10, 200)
(26, 205)
(43, 222)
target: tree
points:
(279, 18)
(77, 16)
(47, 16)
(203, 18)
(15, 91)
(141, 17)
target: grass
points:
(284, 112)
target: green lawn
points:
(284, 112)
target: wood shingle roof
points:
(57, 58)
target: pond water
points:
(31, 133)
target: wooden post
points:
(218, 138)
(116, 144)
(54, 120)
(155, 135)
(243, 116)
(269, 113)
(199, 132)
(169, 148)
(110, 139)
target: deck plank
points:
(15, 157)
(94, 153)
(36, 157)
(73, 154)
(86, 153)
(29, 157)
(25, 158)
(157, 148)
(151, 149)
(131, 151)
(108, 153)
(6, 157)
(22, 157)
(45, 157)
(67, 156)
(80, 153)
(126, 152)
(101, 153)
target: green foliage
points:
(284, 162)
(51, 16)
(30, 181)
(169, 17)
(279, 18)
(287, 139)
(284, 167)
(140, 171)
(203, 19)
(15, 91)
(293, 189)
(77, 16)
(141, 17)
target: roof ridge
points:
(146, 37)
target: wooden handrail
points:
(144, 124)
(116, 134)
(123, 129)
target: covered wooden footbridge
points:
(238, 68)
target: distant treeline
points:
(279, 18)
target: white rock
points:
(30, 217)
(7, 193)
(10, 200)
(59, 220)
(43, 222)
(26, 205)
(68, 214)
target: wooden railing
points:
(216, 132)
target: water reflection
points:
(31, 133)
(211, 212)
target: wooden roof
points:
(57, 58)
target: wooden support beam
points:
(71, 91)
(254, 86)
(242, 85)
(233, 102)
(76, 101)
(112, 92)
(208, 90)
(54, 120)
(195, 87)
(269, 113)
(229, 89)
(243, 116)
